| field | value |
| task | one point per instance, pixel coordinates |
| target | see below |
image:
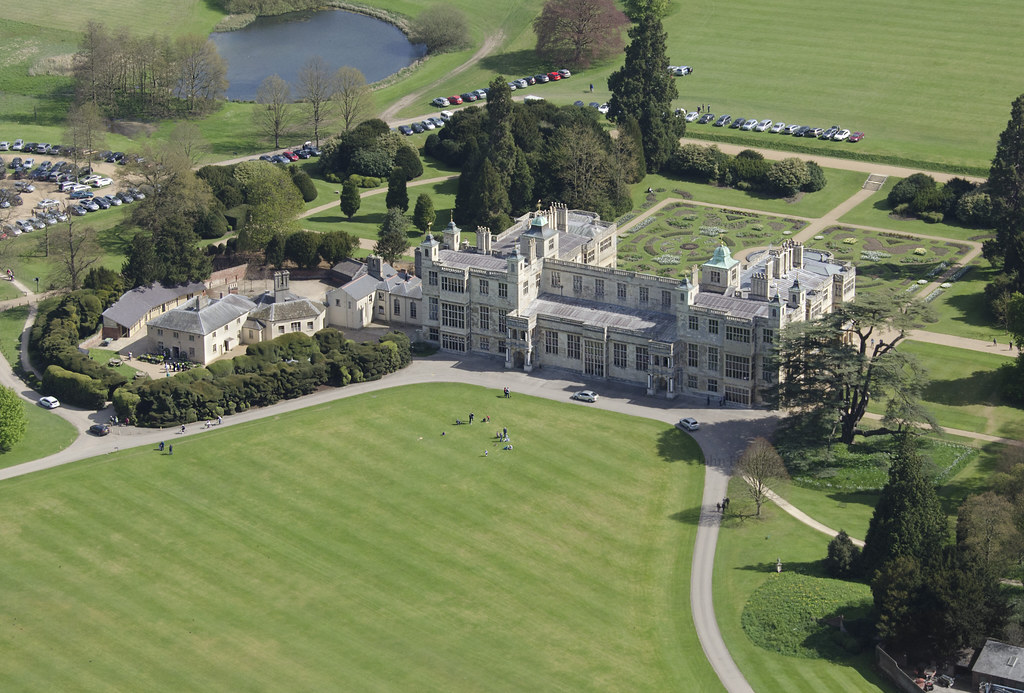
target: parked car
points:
(843, 134)
(827, 134)
(706, 118)
(99, 430)
(24, 186)
(737, 124)
(49, 402)
(291, 156)
(468, 97)
(603, 109)
(438, 123)
(800, 130)
(554, 76)
(749, 125)
(511, 86)
(126, 197)
(763, 125)
(114, 200)
(564, 74)
(578, 103)
(440, 102)
(446, 115)
(691, 116)
(689, 423)
(542, 78)
(481, 93)
(47, 203)
(585, 396)
(722, 121)
(417, 128)
(101, 202)
(78, 210)
(80, 194)
(137, 194)
(529, 79)
(427, 124)
(24, 225)
(18, 145)
(856, 137)
(302, 153)
(594, 104)
(90, 205)
(813, 132)
(4, 146)
(777, 128)
(455, 100)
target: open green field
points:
(964, 389)
(45, 434)
(748, 548)
(384, 556)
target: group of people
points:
(10, 274)
(723, 506)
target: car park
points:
(856, 137)
(688, 423)
(440, 102)
(49, 402)
(585, 396)
(763, 125)
(841, 135)
(99, 430)
(722, 121)
(777, 128)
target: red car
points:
(291, 156)
(857, 137)
(554, 76)
(455, 100)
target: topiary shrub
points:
(305, 185)
(843, 559)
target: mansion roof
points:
(134, 304)
(651, 324)
(202, 316)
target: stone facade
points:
(546, 292)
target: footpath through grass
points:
(748, 548)
(383, 556)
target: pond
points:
(280, 45)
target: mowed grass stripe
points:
(315, 543)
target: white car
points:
(790, 129)
(603, 109)
(689, 423)
(47, 204)
(18, 145)
(102, 182)
(24, 225)
(4, 146)
(441, 101)
(481, 93)
(49, 402)
(841, 135)
(778, 127)
(585, 396)
(446, 115)
(88, 180)
(692, 116)
(763, 125)
(565, 74)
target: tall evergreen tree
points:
(141, 266)
(177, 248)
(398, 193)
(350, 199)
(644, 89)
(393, 236)
(492, 196)
(1006, 190)
(423, 215)
(908, 520)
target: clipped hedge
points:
(290, 366)
(74, 388)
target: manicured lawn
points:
(105, 355)
(964, 390)
(748, 548)
(46, 434)
(366, 223)
(962, 310)
(401, 559)
(875, 210)
(12, 322)
(841, 185)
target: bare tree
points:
(201, 75)
(273, 111)
(76, 251)
(353, 97)
(84, 131)
(760, 465)
(187, 139)
(578, 32)
(316, 90)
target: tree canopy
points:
(832, 367)
(393, 236)
(12, 419)
(576, 33)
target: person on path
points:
(993, 341)
(183, 428)
(718, 507)
(218, 421)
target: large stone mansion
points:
(545, 292)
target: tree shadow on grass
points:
(117, 239)
(846, 498)
(980, 387)
(814, 568)
(676, 446)
(973, 310)
(513, 64)
(328, 219)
